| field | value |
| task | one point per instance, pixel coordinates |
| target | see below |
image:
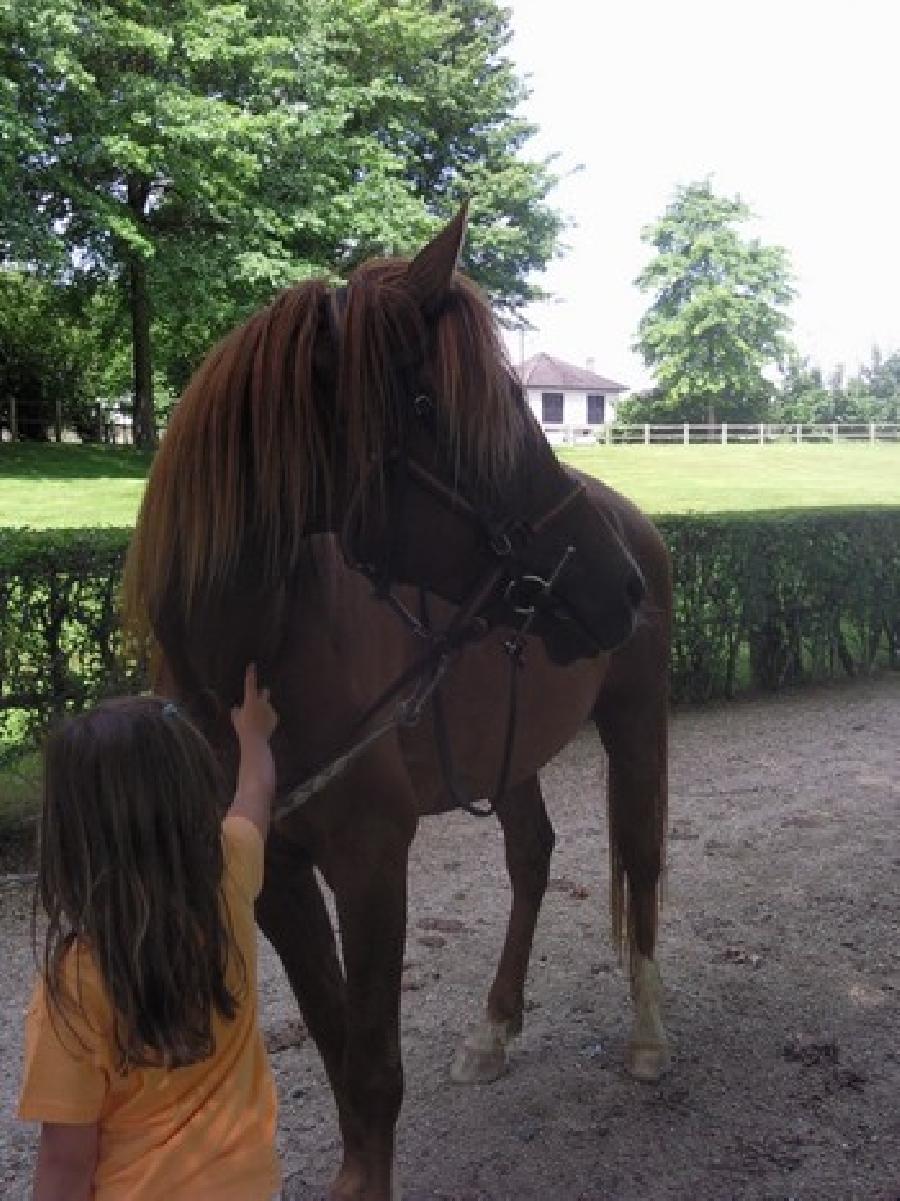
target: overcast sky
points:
(793, 104)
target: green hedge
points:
(761, 601)
(764, 600)
(60, 646)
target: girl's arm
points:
(254, 723)
(66, 1161)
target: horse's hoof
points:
(350, 1185)
(647, 1061)
(482, 1056)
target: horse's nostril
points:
(635, 588)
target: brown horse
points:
(353, 493)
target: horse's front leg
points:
(291, 913)
(367, 870)
(529, 839)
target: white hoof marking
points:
(482, 1056)
(647, 1057)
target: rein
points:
(426, 674)
(514, 648)
(501, 544)
(444, 647)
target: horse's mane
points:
(284, 412)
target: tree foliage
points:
(199, 154)
(802, 394)
(873, 394)
(717, 319)
(43, 358)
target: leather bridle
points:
(525, 592)
(506, 581)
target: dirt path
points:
(779, 950)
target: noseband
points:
(506, 539)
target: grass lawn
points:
(708, 479)
(52, 485)
(43, 486)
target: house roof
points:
(544, 371)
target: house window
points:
(551, 408)
(596, 408)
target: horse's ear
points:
(430, 272)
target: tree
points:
(717, 319)
(873, 394)
(640, 408)
(879, 383)
(802, 394)
(201, 153)
(44, 359)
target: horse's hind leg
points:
(633, 730)
(529, 840)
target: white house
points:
(568, 401)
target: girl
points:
(143, 1056)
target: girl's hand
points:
(254, 722)
(255, 717)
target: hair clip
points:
(170, 709)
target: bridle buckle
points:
(525, 606)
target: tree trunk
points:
(142, 373)
(139, 302)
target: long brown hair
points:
(288, 408)
(131, 869)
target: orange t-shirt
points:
(205, 1132)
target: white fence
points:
(725, 434)
(111, 426)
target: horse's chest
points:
(479, 715)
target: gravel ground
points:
(779, 950)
